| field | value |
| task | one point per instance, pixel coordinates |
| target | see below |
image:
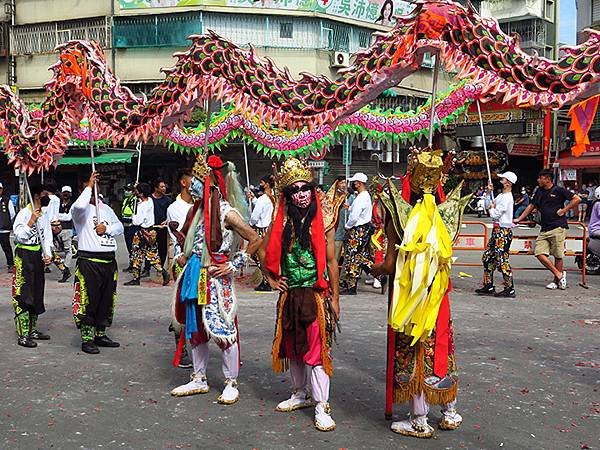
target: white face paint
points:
(302, 194)
(197, 188)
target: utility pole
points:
(10, 9)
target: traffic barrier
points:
(472, 242)
(523, 243)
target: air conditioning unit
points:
(340, 59)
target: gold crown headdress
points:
(291, 171)
(200, 170)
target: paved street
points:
(530, 375)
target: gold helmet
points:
(291, 171)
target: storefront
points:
(581, 170)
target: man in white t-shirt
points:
(358, 232)
(176, 216)
(96, 269)
(497, 253)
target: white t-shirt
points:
(85, 220)
(502, 214)
(144, 214)
(177, 212)
(28, 235)
(361, 210)
(262, 212)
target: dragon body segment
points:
(213, 67)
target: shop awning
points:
(571, 162)
(101, 158)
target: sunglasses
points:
(296, 189)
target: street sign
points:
(347, 152)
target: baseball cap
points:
(510, 176)
(66, 189)
(359, 176)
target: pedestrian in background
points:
(7, 215)
(550, 201)
(498, 250)
(127, 211)
(161, 203)
(65, 235)
(340, 232)
(261, 217)
(358, 233)
(144, 240)
(583, 205)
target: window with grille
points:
(595, 11)
(286, 30)
(44, 37)
(163, 30)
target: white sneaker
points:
(299, 399)
(230, 393)
(369, 281)
(197, 385)
(552, 285)
(450, 420)
(415, 427)
(376, 284)
(323, 420)
(562, 283)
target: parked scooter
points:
(592, 257)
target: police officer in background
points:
(127, 211)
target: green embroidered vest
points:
(300, 267)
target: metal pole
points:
(436, 70)
(37, 228)
(247, 175)
(348, 151)
(138, 148)
(207, 125)
(95, 193)
(485, 152)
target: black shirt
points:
(160, 208)
(63, 209)
(547, 202)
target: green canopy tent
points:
(101, 158)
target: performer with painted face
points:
(422, 366)
(205, 298)
(28, 275)
(96, 268)
(300, 254)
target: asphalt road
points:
(530, 375)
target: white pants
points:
(230, 363)
(319, 380)
(419, 406)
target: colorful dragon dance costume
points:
(95, 288)
(300, 253)
(205, 299)
(28, 273)
(419, 254)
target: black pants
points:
(7, 248)
(162, 242)
(29, 282)
(95, 289)
(128, 233)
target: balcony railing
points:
(44, 37)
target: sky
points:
(568, 22)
